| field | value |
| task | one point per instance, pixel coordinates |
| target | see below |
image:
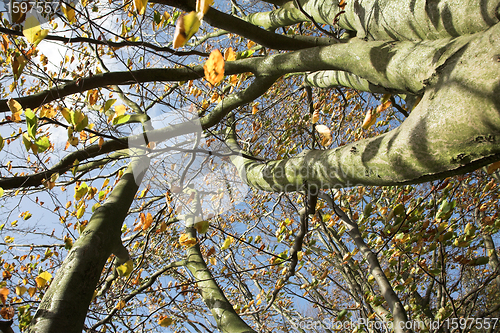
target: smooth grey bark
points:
(392, 20)
(453, 130)
(228, 321)
(329, 79)
(63, 308)
(397, 309)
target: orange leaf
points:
(187, 241)
(3, 295)
(370, 119)
(147, 221)
(229, 54)
(7, 313)
(214, 67)
(492, 167)
(92, 96)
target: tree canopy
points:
(250, 166)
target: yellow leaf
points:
(31, 291)
(21, 290)
(4, 292)
(227, 243)
(229, 54)
(42, 279)
(325, 133)
(186, 27)
(187, 241)
(315, 116)
(1, 192)
(120, 305)
(80, 191)
(120, 110)
(370, 119)
(126, 268)
(203, 5)
(69, 12)
(32, 31)
(214, 67)
(73, 141)
(16, 109)
(80, 212)
(165, 321)
(140, 6)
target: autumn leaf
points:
(325, 133)
(165, 321)
(202, 226)
(4, 292)
(370, 119)
(7, 313)
(383, 106)
(202, 7)
(20, 290)
(42, 279)
(126, 268)
(31, 291)
(80, 191)
(229, 54)
(187, 241)
(227, 243)
(69, 11)
(140, 6)
(33, 32)
(315, 116)
(493, 167)
(120, 305)
(17, 63)
(185, 28)
(214, 67)
(146, 220)
(16, 109)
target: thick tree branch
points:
(229, 103)
(64, 306)
(453, 130)
(238, 26)
(397, 308)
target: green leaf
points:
(121, 119)
(82, 124)
(42, 143)
(109, 103)
(245, 54)
(2, 142)
(31, 122)
(26, 141)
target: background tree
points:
(355, 125)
